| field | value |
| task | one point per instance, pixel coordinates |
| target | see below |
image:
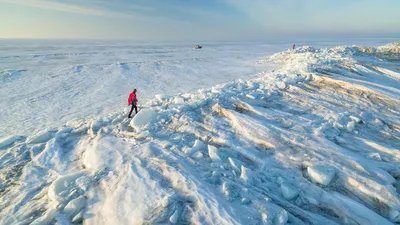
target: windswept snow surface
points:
(47, 83)
(317, 141)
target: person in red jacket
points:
(132, 100)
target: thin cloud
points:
(130, 11)
(87, 9)
(119, 9)
(65, 7)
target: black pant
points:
(133, 107)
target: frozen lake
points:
(49, 82)
(310, 136)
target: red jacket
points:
(132, 97)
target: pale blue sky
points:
(168, 20)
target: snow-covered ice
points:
(316, 141)
(143, 118)
(321, 174)
(289, 192)
(49, 83)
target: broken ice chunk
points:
(321, 174)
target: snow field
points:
(49, 83)
(314, 142)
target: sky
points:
(180, 20)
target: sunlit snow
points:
(315, 141)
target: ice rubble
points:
(213, 153)
(315, 142)
(197, 146)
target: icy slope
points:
(315, 142)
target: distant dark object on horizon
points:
(198, 46)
